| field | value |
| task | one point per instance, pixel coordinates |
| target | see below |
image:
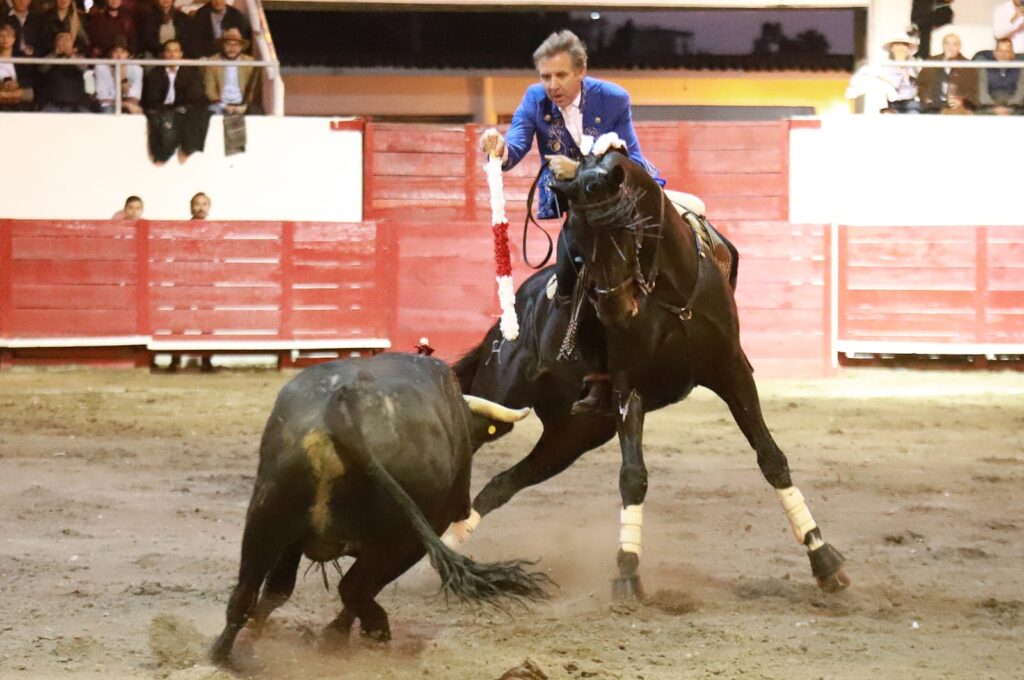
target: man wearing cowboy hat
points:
(231, 89)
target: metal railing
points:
(939, 63)
(265, 44)
(119, 65)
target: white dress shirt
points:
(106, 87)
(171, 75)
(573, 118)
(1005, 26)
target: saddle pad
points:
(712, 242)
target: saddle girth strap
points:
(685, 313)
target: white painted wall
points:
(83, 166)
(908, 171)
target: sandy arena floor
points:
(122, 497)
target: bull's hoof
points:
(827, 567)
(627, 589)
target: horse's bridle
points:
(645, 283)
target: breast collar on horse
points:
(647, 283)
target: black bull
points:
(671, 325)
(368, 458)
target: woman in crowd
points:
(902, 96)
(63, 17)
(892, 88)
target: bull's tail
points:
(493, 583)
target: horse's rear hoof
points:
(627, 588)
(835, 582)
(827, 567)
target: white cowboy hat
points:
(902, 38)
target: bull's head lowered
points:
(491, 420)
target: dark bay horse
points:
(671, 325)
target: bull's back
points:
(404, 410)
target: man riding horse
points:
(665, 313)
(572, 114)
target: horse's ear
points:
(617, 176)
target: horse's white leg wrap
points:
(459, 532)
(799, 516)
(631, 518)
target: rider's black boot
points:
(598, 397)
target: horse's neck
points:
(676, 253)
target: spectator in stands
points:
(165, 23)
(63, 17)
(948, 90)
(1008, 22)
(132, 209)
(892, 89)
(61, 88)
(232, 89)
(1000, 90)
(107, 25)
(209, 23)
(902, 94)
(28, 26)
(12, 93)
(131, 81)
(176, 108)
(199, 206)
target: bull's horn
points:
(494, 411)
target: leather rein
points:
(647, 282)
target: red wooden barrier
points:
(931, 290)
(70, 279)
(173, 286)
(420, 172)
(783, 295)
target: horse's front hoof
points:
(827, 567)
(220, 653)
(835, 582)
(627, 588)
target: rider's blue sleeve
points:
(520, 134)
(624, 128)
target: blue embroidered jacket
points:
(605, 108)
